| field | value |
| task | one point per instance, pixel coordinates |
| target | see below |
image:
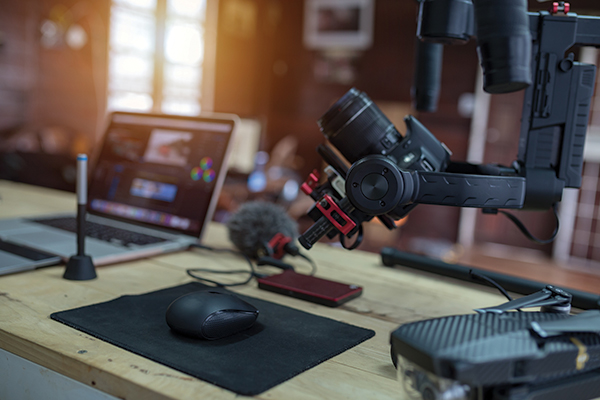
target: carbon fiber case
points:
(495, 349)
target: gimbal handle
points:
(375, 185)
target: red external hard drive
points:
(310, 288)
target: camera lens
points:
(503, 44)
(357, 127)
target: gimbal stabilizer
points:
(391, 173)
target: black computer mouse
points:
(209, 314)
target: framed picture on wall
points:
(338, 24)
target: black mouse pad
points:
(283, 342)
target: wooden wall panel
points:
(52, 98)
(52, 86)
(71, 85)
(17, 61)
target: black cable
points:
(285, 266)
(357, 242)
(491, 282)
(191, 271)
(313, 265)
(526, 232)
(273, 262)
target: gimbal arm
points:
(375, 185)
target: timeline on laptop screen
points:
(159, 170)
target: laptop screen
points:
(165, 171)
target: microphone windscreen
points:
(255, 223)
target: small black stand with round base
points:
(80, 268)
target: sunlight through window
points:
(142, 4)
(152, 73)
(187, 8)
(183, 44)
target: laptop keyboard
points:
(102, 232)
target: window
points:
(156, 54)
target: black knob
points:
(374, 186)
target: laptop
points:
(153, 189)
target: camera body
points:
(418, 149)
(357, 128)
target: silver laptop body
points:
(158, 176)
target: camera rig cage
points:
(392, 173)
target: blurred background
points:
(65, 63)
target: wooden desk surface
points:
(390, 297)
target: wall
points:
(71, 85)
(52, 85)
(17, 61)
(52, 96)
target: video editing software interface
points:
(159, 170)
